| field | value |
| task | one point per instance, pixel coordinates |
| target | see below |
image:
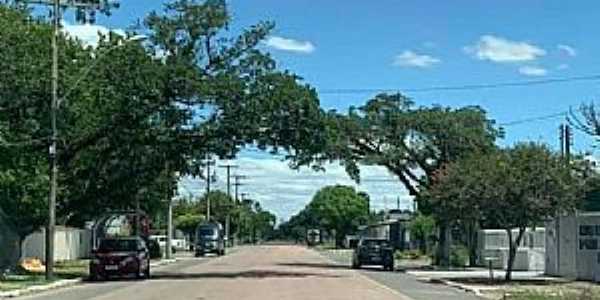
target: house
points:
(394, 227)
(572, 246)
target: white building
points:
(573, 247)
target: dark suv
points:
(371, 251)
(210, 239)
(118, 257)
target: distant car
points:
(313, 237)
(119, 257)
(210, 239)
(176, 244)
(371, 251)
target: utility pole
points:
(561, 130)
(53, 151)
(568, 142)
(228, 218)
(237, 184)
(169, 243)
(209, 162)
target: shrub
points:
(408, 254)
(459, 256)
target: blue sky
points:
(418, 44)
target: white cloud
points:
(89, 34)
(567, 50)
(533, 71)
(291, 45)
(411, 59)
(501, 50)
(285, 192)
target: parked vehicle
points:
(373, 251)
(210, 239)
(154, 248)
(313, 237)
(176, 244)
(119, 257)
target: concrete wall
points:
(70, 244)
(493, 243)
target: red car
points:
(119, 257)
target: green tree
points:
(515, 188)
(422, 229)
(339, 208)
(187, 216)
(591, 198)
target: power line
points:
(534, 119)
(463, 87)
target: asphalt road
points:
(407, 284)
(261, 272)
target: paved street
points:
(262, 272)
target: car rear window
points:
(118, 245)
(374, 243)
(208, 231)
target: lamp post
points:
(53, 151)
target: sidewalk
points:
(478, 281)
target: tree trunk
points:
(340, 235)
(513, 245)
(443, 250)
(472, 243)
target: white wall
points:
(493, 243)
(70, 244)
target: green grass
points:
(16, 282)
(63, 270)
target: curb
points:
(466, 288)
(163, 262)
(40, 288)
(64, 283)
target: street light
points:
(53, 151)
(85, 72)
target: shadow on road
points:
(256, 274)
(315, 265)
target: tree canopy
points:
(134, 116)
(411, 142)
